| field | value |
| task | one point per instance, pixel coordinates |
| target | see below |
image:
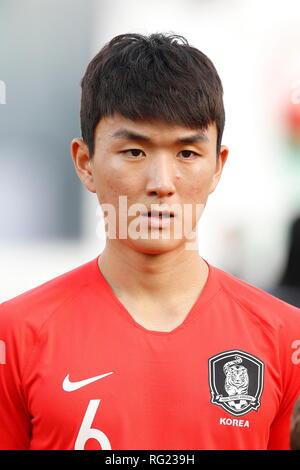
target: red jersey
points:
(78, 372)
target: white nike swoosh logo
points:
(69, 386)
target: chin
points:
(155, 247)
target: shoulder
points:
(268, 309)
(34, 306)
(23, 317)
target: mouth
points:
(159, 214)
(159, 220)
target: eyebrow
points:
(127, 134)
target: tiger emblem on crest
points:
(236, 381)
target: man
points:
(149, 346)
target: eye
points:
(134, 152)
(188, 154)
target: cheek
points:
(196, 180)
(110, 185)
(197, 189)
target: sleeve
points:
(289, 347)
(14, 417)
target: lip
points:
(155, 221)
(157, 213)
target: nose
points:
(160, 180)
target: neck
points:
(174, 273)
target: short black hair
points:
(159, 77)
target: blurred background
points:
(50, 224)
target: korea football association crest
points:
(236, 381)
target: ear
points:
(83, 163)
(219, 167)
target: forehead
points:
(118, 128)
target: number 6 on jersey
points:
(86, 432)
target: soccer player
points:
(149, 346)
